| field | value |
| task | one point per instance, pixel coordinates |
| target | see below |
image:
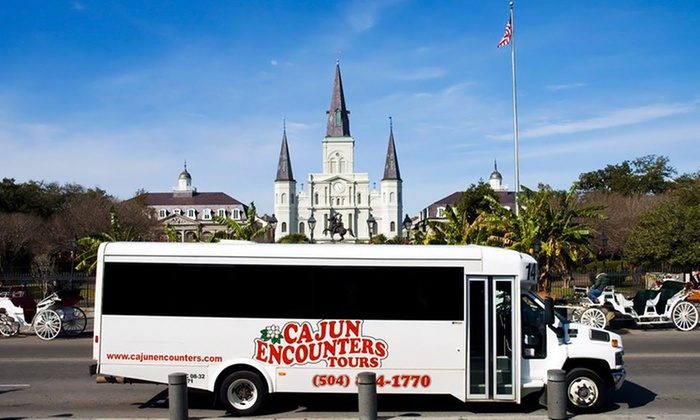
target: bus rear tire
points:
(244, 391)
(585, 391)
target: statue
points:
(335, 225)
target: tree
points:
(457, 230)
(668, 235)
(87, 259)
(18, 233)
(473, 202)
(645, 175)
(463, 221)
(622, 213)
(294, 238)
(556, 221)
(245, 232)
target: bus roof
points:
(244, 249)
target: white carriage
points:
(52, 315)
(672, 302)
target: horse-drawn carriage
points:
(52, 315)
(671, 302)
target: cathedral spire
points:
(391, 166)
(284, 165)
(338, 115)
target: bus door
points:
(491, 366)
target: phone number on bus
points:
(395, 381)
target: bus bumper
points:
(619, 377)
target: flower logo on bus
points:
(337, 343)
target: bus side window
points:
(533, 329)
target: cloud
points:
(363, 15)
(565, 87)
(615, 119)
(424, 73)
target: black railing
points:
(38, 286)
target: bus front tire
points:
(244, 391)
(585, 391)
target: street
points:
(41, 379)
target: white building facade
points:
(339, 190)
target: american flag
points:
(506, 37)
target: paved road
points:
(41, 379)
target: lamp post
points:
(73, 245)
(603, 242)
(536, 246)
(312, 225)
(407, 227)
(370, 226)
(273, 226)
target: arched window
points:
(341, 164)
(392, 226)
(302, 227)
(283, 198)
(283, 229)
(391, 197)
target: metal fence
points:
(562, 286)
(38, 286)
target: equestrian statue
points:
(335, 225)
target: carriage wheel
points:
(8, 325)
(47, 324)
(594, 317)
(685, 316)
(576, 315)
(73, 325)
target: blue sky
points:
(119, 94)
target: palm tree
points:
(87, 260)
(234, 230)
(457, 231)
(553, 219)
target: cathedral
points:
(339, 196)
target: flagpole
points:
(515, 109)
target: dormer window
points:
(441, 212)
(206, 214)
(235, 214)
(192, 213)
(162, 213)
(221, 213)
(177, 211)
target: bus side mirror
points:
(548, 311)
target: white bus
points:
(244, 320)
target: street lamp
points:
(536, 246)
(73, 245)
(407, 227)
(273, 225)
(603, 242)
(370, 225)
(312, 225)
